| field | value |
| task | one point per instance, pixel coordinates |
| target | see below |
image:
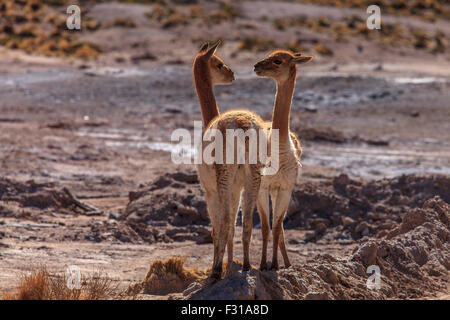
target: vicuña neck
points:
(282, 107)
(204, 88)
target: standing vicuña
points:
(281, 66)
(224, 182)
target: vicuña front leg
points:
(251, 188)
(264, 213)
(280, 201)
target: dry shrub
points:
(32, 287)
(86, 51)
(158, 12)
(124, 22)
(91, 24)
(256, 44)
(40, 285)
(323, 50)
(168, 16)
(169, 276)
(265, 45)
(174, 19)
(294, 46)
(196, 11)
(226, 12)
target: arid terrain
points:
(86, 176)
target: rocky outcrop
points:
(413, 259)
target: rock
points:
(378, 67)
(320, 228)
(407, 262)
(187, 177)
(381, 204)
(368, 253)
(188, 211)
(347, 221)
(365, 232)
(311, 108)
(361, 227)
(317, 296)
(114, 215)
(234, 288)
(309, 236)
(175, 199)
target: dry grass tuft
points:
(168, 16)
(40, 285)
(169, 276)
(265, 45)
(323, 50)
(226, 12)
(256, 44)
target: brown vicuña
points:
(280, 65)
(224, 183)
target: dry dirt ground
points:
(86, 176)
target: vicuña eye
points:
(220, 65)
(277, 62)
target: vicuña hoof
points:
(229, 271)
(246, 267)
(274, 266)
(216, 275)
(263, 266)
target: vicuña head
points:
(209, 65)
(280, 64)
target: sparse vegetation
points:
(169, 276)
(256, 44)
(323, 50)
(124, 22)
(28, 25)
(355, 26)
(167, 16)
(171, 16)
(41, 285)
(226, 12)
(428, 10)
(261, 45)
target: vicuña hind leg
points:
(251, 188)
(235, 201)
(264, 212)
(280, 202)
(283, 250)
(225, 177)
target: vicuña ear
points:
(212, 49)
(300, 60)
(204, 46)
